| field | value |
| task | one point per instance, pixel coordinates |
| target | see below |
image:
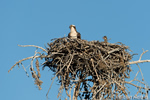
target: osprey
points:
(105, 39)
(73, 33)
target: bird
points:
(105, 39)
(73, 33)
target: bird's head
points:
(72, 26)
(105, 37)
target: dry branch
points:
(136, 62)
(33, 46)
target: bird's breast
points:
(73, 35)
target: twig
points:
(142, 54)
(24, 69)
(24, 60)
(33, 46)
(135, 85)
(50, 88)
(98, 90)
(141, 72)
(136, 62)
(140, 61)
(117, 49)
(31, 65)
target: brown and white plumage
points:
(105, 39)
(73, 33)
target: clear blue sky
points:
(37, 21)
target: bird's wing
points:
(69, 35)
(78, 35)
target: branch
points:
(142, 54)
(50, 87)
(136, 62)
(135, 85)
(33, 46)
(140, 61)
(26, 59)
(25, 70)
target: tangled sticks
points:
(79, 62)
(91, 69)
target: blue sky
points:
(35, 22)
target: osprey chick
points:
(73, 33)
(105, 39)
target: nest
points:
(95, 69)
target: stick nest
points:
(98, 69)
